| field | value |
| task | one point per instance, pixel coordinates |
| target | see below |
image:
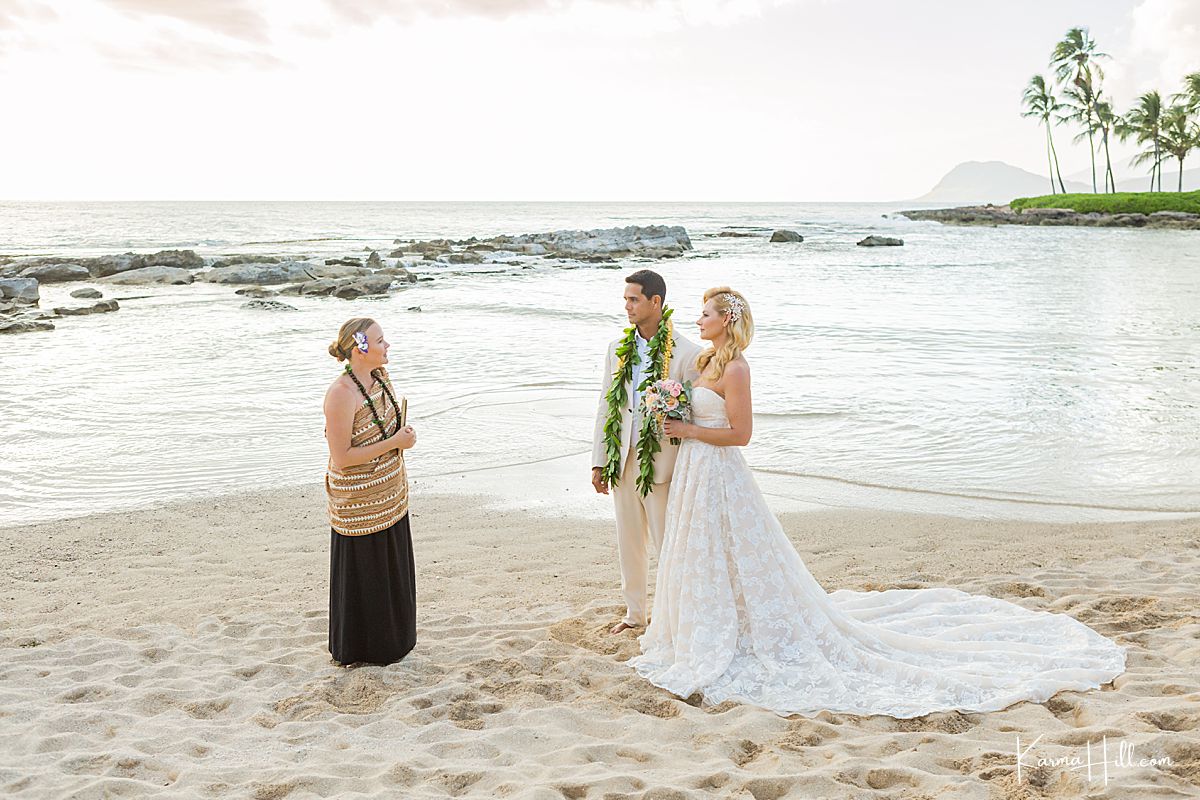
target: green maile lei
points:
(648, 445)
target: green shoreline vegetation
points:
(1115, 202)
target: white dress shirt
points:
(641, 369)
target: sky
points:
(639, 100)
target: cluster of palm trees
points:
(1163, 130)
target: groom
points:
(648, 349)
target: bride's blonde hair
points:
(739, 332)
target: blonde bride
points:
(739, 617)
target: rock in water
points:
(172, 276)
(786, 236)
(374, 261)
(262, 274)
(22, 290)
(257, 291)
(96, 308)
(25, 325)
(182, 259)
(57, 273)
(652, 241)
(111, 265)
(87, 293)
(880, 241)
(268, 305)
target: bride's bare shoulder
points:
(739, 368)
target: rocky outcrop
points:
(262, 273)
(736, 235)
(24, 325)
(87, 293)
(180, 259)
(1004, 215)
(110, 265)
(229, 261)
(345, 288)
(56, 273)
(268, 305)
(651, 241)
(881, 241)
(170, 276)
(23, 291)
(786, 236)
(257, 291)
(95, 308)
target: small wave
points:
(969, 496)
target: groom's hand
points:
(599, 482)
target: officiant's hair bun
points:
(344, 343)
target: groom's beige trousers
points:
(640, 525)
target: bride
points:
(739, 617)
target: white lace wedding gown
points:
(738, 616)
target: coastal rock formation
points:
(268, 305)
(230, 261)
(1004, 215)
(173, 276)
(87, 293)
(262, 273)
(21, 290)
(881, 241)
(95, 308)
(785, 236)
(258, 292)
(24, 325)
(736, 235)
(181, 259)
(110, 265)
(56, 273)
(345, 288)
(651, 241)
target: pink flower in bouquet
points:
(672, 404)
(676, 388)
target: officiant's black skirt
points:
(372, 596)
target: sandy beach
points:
(182, 651)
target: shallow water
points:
(1055, 367)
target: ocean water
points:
(1049, 371)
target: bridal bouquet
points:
(667, 399)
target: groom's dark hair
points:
(651, 282)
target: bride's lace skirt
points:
(738, 616)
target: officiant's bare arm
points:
(341, 404)
(735, 384)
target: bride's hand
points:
(677, 428)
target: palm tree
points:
(1144, 123)
(1080, 109)
(1181, 135)
(1041, 103)
(1076, 55)
(1076, 62)
(1106, 119)
(1190, 96)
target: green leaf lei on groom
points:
(648, 444)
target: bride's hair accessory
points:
(735, 306)
(360, 340)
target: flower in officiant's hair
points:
(360, 339)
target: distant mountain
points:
(978, 182)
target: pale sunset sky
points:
(741, 100)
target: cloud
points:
(1164, 45)
(171, 51)
(367, 12)
(237, 19)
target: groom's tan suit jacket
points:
(682, 368)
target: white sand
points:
(182, 651)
